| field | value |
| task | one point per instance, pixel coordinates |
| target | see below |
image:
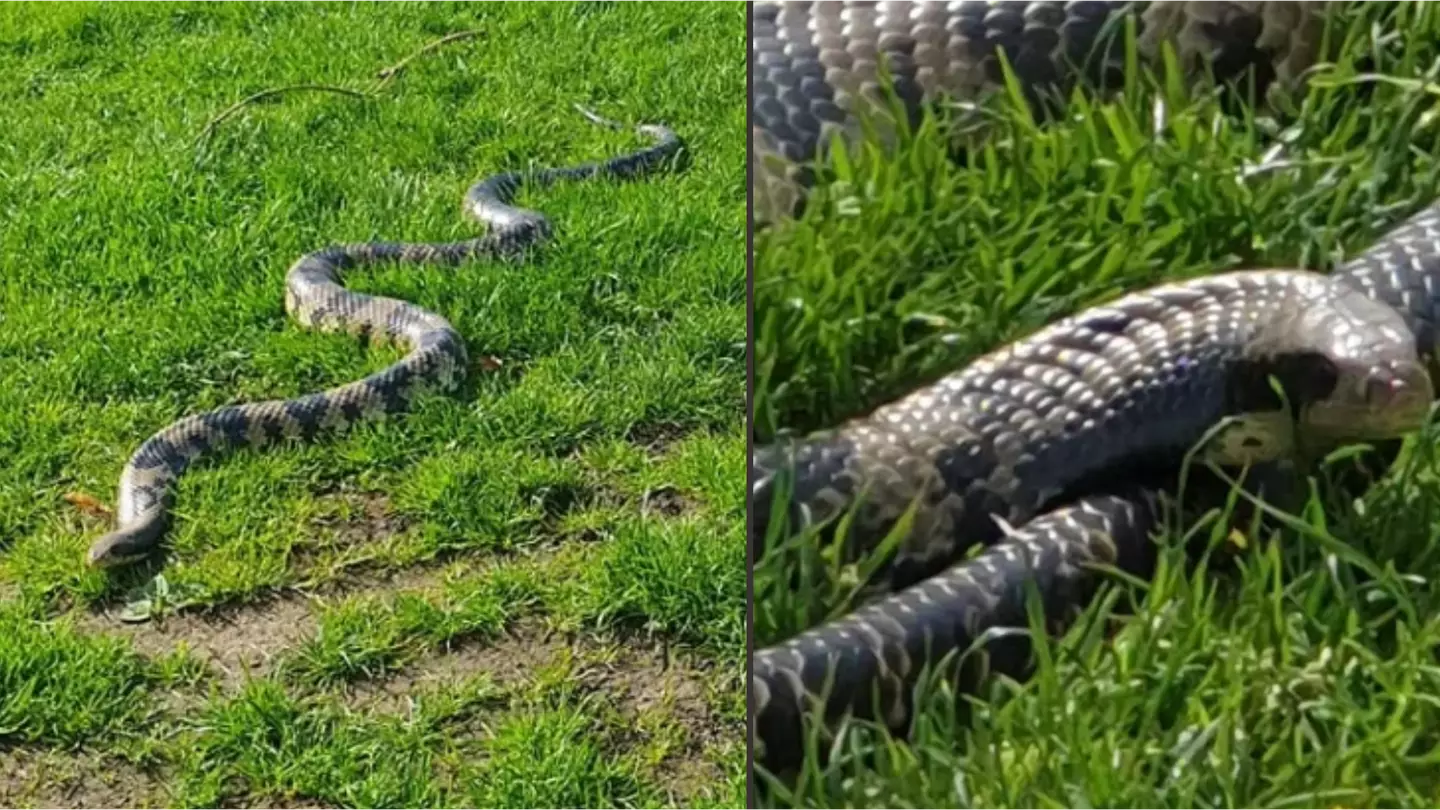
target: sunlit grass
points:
(141, 279)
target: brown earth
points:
(36, 778)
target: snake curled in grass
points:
(869, 662)
(996, 439)
(315, 297)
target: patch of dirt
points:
(353, 519)
(275, 803)
(666, 501)
(235, 639)
(634, 679)
(419, 577)
(641, 679)
(231, 641)
(684, 778)
(37, 778)
(349, 532)
(655, 438)
(508, 660)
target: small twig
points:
(389, 73)
(272, 92)
(385, 76)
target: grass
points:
(1301, 675)
(579, 496)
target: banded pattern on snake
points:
(880, 650)
(814, 57)
(904, 459)
(832, 70)
(317, 299)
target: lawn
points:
(527, 593)
(1304, 673)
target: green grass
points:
(586, 479)
(1302, 675)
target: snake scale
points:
(880, 649)
(826, 70)
(1005, 438)
(316, 298)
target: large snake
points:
(316, 298)
(999, 439)
(869, 660)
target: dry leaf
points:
(88, 504)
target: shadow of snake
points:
(316, 298)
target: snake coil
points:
(998, 439)
(866, 663)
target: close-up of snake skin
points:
(820, 67)
(315, 297)
(1144, 377)
(882, 648)
(866, 663)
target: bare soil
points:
(37, 778)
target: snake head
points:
(1382, 389)
(131, 542)
(1349, 365)
(114, 550)
(1382, 400)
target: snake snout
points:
(1402, 393)
(1384, 401)
(106, 552)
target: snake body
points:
(965, 454)
(866, 663)
(316, 298)
(1144, 377)
(827, 70)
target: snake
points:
(315, 297)
(1021, 437)
(867, 663)
(1146, 376)
(828, 72)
